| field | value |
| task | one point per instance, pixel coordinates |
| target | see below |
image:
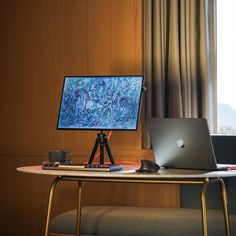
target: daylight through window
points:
(226, 66)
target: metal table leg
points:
(78, 215)
(51, 194)
(203, 208)
(225, 206)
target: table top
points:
(128, 172)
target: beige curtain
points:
(180, 60)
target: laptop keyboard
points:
(78, 166)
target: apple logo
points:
(180, 143)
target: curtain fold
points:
(180, 60)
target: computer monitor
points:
(100, 103)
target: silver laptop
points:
(183, 143)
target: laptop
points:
(183, 143)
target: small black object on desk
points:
(148, 166)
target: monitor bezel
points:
(103, 129)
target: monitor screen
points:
(100, 102)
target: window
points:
(226, 66)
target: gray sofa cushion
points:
(141, 221)
(190, 196)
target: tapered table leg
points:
(78, 216)
(203, 209)
(225, 206)
(51, 194)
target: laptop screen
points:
(182, 143)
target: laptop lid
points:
(182, 143)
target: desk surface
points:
(128, 172)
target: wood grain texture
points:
(45, 40)
(41, 41)
(145, 195)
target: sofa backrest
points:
(225, 152)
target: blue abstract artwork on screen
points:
(100, 103)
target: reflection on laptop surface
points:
(183, 143)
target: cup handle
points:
(68, 156)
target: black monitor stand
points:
(102, 141)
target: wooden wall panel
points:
(20, 71)
(99, 35)
(45, 40)
(127, 55)
(145, 195)
(41, 41)
(76, 33)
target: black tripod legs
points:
(94, 150)
(109, 152)
(102, 141)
